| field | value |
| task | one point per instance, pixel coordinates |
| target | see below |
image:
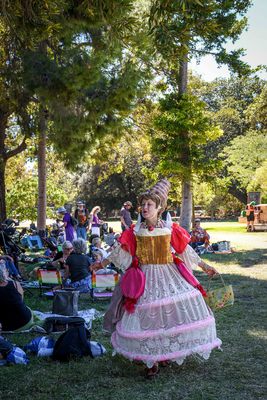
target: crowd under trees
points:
(97, 102)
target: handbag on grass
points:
(220, 297)
(65, 302)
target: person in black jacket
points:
(77, 274)
(14, 314)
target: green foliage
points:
(259, 181)
(119, 172)
(22, 187)
(182, 29)
(184, 128)
(244, 156)
(72, 58)
(257, 111)
(85, 76)
(236, 105)
(215, 199)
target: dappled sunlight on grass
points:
(233, 227)
(259, 333)
(236, 373)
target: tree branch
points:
(21, 147)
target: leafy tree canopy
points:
(245, 155)
(183, 29)
(22, 182)
(176, 116)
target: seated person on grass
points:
(13, 271)
(14, 314)
(97, 245)
(199, 236)
(77, 268)
(61, 256)
(97, 265)
(58, 260)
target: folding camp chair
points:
(34, 242)
(48, 279)
(103, 285)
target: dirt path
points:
(246, 240)
(240, 240)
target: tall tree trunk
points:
(3, 159)
(183, 77)
(186, 206)
(5, 154)
(41, 217)
(2, 190)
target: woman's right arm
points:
(119, 257)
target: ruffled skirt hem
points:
(178, 357)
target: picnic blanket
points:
(38, 317)
(88, 315)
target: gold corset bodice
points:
(154, 249)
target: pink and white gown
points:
(171, 320)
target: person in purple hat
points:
(69, 228)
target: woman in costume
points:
(162, 315)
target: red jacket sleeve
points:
(180, 238)
(128, 241)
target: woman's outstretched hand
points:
(210, 271)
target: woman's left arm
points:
(208, 269)
(192, 259)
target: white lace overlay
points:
(120, 258)
(171, 319)
(190, 257)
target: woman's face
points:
(98, 257)
(67, 251)
(149, 209)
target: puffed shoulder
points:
(179, 238)
(127, 241)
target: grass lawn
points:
(237, 372)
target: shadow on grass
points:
(243, 258)
(236, 373)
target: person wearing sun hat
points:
(125, 215)
(69, 229)
(157, 312)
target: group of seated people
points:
(76, 265)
